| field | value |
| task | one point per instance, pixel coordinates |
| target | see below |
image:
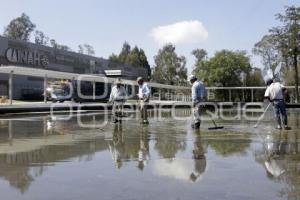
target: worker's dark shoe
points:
(279, 127)
(196, 125)
(287, 128)
(116, 121)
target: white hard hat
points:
(139, 79)
(118, 81)
(192, 77)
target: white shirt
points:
(144, 91)
(274, 91)
(118, 93)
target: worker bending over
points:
(118, 97)
(274, 93)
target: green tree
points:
(86, 49)
(56, 45)
(200, 54)
(225, 69)
(169, 67)
(40, 38)
(287, 38)
(200, 66)
(80, 49)
(144, 62)
(89, 49)
(19, 28)
(138, 58)
(254, 78)
(113, 58)
(266, 48)
(135, 57)
(125, 52)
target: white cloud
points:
(191, 31)
(179, 168)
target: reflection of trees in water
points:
(15, 168)
(227, 144)
(189, 169)
(169, 139)
(125, 148)
(167, 145)
(167, 148)
(280, 157)
(21, 169)
(17, 176)
(291, 177)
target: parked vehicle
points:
(58, 92)
(58, 95)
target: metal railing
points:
(161, 92)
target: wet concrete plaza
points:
(44, 157)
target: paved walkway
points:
(66, 106)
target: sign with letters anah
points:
(26, 57)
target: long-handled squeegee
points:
(216, 126)
(262, 116)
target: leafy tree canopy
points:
(282, 44)
(86, 49)
(19, 28)
(40, 38)
(169, 67)
(226, 68)
(135, 57)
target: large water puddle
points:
(44, 157)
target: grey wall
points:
(59, 60)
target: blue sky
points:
(230, 24)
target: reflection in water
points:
(167, 154)
(184, 169)
(280, 156)
(169, 141)
(199, 159)
(17, 175)
(124, 149)
(144, 154)
(32, 149)
(225, 146)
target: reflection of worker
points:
(199, 159)
(274, 167)
(274, 93)
(198, 96)
(116, 147)
(144, 96)
(274, 151)
(117, 97)
(143, 154)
